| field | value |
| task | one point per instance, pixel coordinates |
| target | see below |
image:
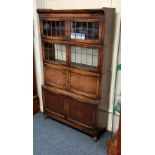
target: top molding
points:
(71, 11)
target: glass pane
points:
(90, 34)
(78, 25)
(96, 34)
(90, 25)
(95, 57)
(84, 25)
(62, 23)
(53, 28)
(84, 57)
(57, 24)
(96, 25)
(55, 52)
(85, 30)
(78, 55)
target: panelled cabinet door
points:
(55, 76)
(53, 28)
(84, 83)
(54, 103)
(81, 112)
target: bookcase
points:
(77, 53)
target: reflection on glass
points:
(53, 28)
(55, 52)
(85, 30)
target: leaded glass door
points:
(86, 30)
(55, 53)
(53, 28)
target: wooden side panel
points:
(55, 76)
(84, 84)
(53, 102)
(109, 25)
(81, 112)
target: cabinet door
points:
(53, 28)
(86, 58)
(53, 102)
(55, 76)
(86, 30)
(54, 53)
(84, 83)
(81, 112)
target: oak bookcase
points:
(77, 53)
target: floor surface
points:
(53, 138)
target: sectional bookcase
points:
(77, 52)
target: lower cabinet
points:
(54, 102)
(76, 111)
(81, 112)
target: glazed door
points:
(86, 30)
(86, 57)
(54, 53)
(53, 28)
